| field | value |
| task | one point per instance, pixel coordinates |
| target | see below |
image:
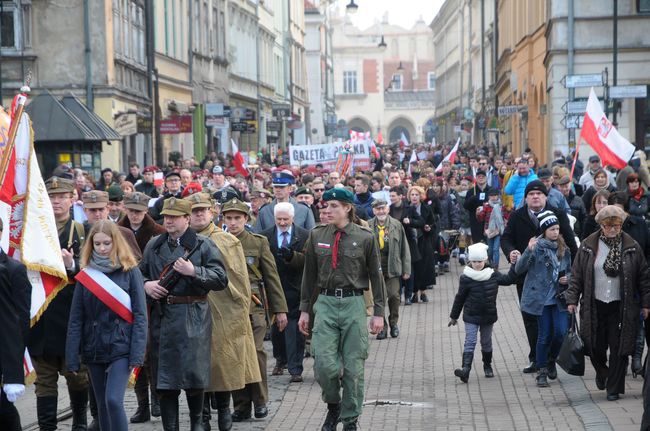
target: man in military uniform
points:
(341, 258)
(115, 203)
(266, 292)
(46, 341)
(144, 228)
(283, 183)
(234, 358)
(259, 198)
(180, 320)
(174, 189)
(146, 186)
(395, 260)
(96, 209)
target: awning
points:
(67, 120)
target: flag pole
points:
(575, 157)
(17, 112)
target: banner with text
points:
(328, 154)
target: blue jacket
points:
(542, 274)
(98, 334)
(517, 186)
(364, 208)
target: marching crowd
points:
(211, 263)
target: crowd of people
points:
(213, 262)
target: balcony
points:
(409, 99)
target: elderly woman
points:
(639, 201)
(610, 282)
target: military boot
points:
(79, 406)
(195, 404)
(637, 357)
(487, 364)
(333, 417)
(224, 419)
(155, 404)
(463, 373)
(142, 414)
(169, 412)
(206, 413)
(46, 413)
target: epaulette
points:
(257, 235)
(320, 226)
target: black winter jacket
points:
(479, 298)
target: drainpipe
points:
(615, 59)
(190, 44)
(570, 49)
(495, 60)
(90, 102)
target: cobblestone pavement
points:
(410, 383)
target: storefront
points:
(642, 121)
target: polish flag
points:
(380, 139)
(238, 160)
(403, 142)
(613, 149)
(451, 157)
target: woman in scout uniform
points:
(341, 258)
(266, 292)
(233, 361)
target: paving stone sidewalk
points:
(410, 383)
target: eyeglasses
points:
(319, 190)
(483, 164)
(611, 226)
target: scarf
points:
(636, 194)
(496, 223)
(482, 275)
(549, 248)
(612, 265)
(103, 264)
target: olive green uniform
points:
(260, 261)
(340, 335)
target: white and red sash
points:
(107, 291)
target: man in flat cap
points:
(395, 260)
(268, 303)
(234, 358)
(115, 203)
(46, 341)
(147, 186)
(180, 321)
(173, 189)
(341, 259)
(283, 182)
(259, 198)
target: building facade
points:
(388, 89)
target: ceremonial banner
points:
(328, 154)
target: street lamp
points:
(352, 7)
(382, 44)
(400, 67)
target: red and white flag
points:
(238, 160)
(613, 149)
(403, 142)
(107, 291)
(451, 157)
(380, 138)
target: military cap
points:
(226, 194)
(200, 200)
(283, 179)
(136, 201)
(260, 193)
(115, 193)
(378, 203)
(339, 194)
(63, 171)
(59, 185)
(304, 191)
(176, 207)
(94, 199)
(173, 173)
(235, 205)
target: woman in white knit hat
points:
(477, 295)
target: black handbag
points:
(572, 352)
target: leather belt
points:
(171, 299)
(341, 293)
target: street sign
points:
(504, 111)
(575, 107)
(273, 126)
(572, 121)
(577, 81)
(239, 126)
(281, 110)
(628, 92)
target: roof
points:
(67, 120)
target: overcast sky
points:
(400, 12)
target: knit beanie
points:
(477, 252)
(546, 220)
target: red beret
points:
(191, 188)
(152, 168)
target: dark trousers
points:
(645, 421)
(109, 383)
(608, 336)
(530, 325)
(289, 346)
(9, 417)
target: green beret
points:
(339, 194)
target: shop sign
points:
(176, 125)
(126, 124)
(145, 124)
(273, 126)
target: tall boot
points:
(206, 412)
(463, 373)
(155, 403)
(637, 358)
(142, 414)
(222, 400)
(79, 405)
(195, 404)
(487, 364)
(169, 412)
(11, 420)
(46, 413)
(92, 403)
